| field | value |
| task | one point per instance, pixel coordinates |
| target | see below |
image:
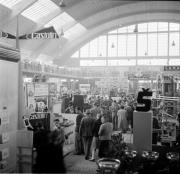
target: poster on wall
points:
(41, 90)
(84, 88)
(31, 104)
(52, 89)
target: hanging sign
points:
(6, 35)
(46, 33)
(171, 68)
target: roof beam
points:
(17, 9)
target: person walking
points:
(86, 132)
(78, 140)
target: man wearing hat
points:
(86, 132)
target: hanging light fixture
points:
(112, 45)
(173, 43)
(62, 4)
(145, 53)
(136, 28)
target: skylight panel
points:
(59, 21)
(9, 3)
(78, 29)
(40, 9)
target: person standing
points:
(105, 133)
(95, 141)
(78, 139)
(122, 119)
(129, 112)
(114, 109)
(86, 132)
(95, 110)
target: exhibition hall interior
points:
(89, 86)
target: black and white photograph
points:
(89, 86)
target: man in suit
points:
(78, 139)
(86, 132)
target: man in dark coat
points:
(86, 132)
(78, 139)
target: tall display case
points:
(8, 108)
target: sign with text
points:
(171, 68)
(41, 90)
(45, 33)
(84, 87)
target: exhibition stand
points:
(142, 131)
(9, 58)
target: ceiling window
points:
(123, 62)
(142, 45)
(75, 55)
(122, 45)
(61, 21)
(74, 31)
(152, 44)
(173, 27)
(84, 51)
(92, 63)
(39, 10)
(152, 26)
(93, 48)
(174, 44)
(142, 27)
(162, 26)
(102, 46)
(131, 45)
(174, 62)
(162, 44)
(10, 3)
(154, 39)
(112, 45)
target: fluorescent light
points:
(40, 9)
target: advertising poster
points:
(30, 97)
(41, 90)
(84, 88)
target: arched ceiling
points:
(91, 18)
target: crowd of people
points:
(96, 124)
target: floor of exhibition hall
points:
(77, 163)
